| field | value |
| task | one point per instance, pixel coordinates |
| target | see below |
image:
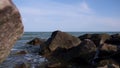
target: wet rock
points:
(21, 52)
(36, 41)
(60, 39)
(42, 65)
(54, 65)
(85, 36)
(109, 47)
(115, 36)
(110, 66)
(108, 51)
(22, 65)
(11, 27)
(108, 63)
(96, 38)
(114, 41)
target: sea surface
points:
(32, 58)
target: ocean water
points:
(32, 58)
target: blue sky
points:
(70, 15)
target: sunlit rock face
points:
(11, 27)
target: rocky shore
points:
(63, 50)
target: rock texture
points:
(59, 39)
(62, 40)
(11, 27)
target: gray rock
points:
(11, 27)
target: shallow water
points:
(31, 59)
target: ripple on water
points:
(32, 59)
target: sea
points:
(32, 58)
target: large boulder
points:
(11, 27)
(61, 40)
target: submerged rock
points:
(36, 41)
(11, 27)
(21, 52)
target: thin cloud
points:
(49, 16)
(85, 8)
(53, 8)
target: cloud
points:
(49, 15)
(85, 8)
(54, 8)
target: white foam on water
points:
(13, 49)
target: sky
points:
(69, 15)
